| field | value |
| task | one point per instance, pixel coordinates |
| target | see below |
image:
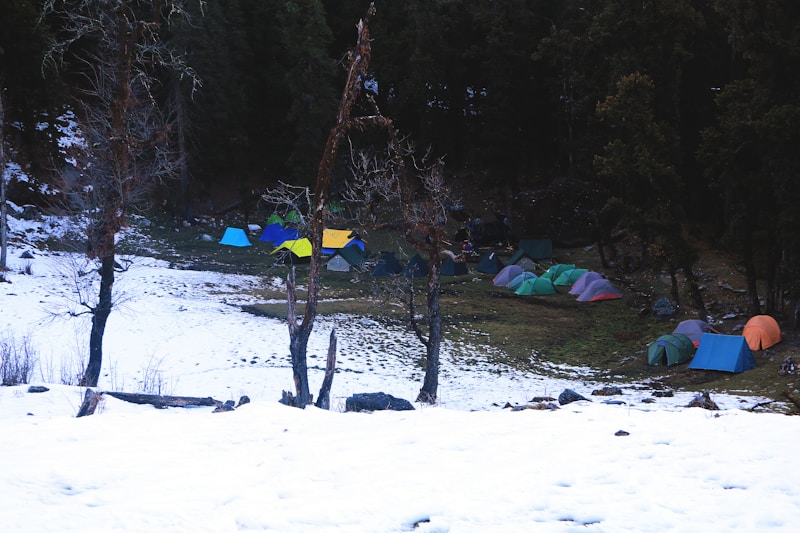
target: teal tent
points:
(235, 237)
(568, 277)
(453, 268)
(671, 349)
(536, 287)
(729, 353)
(554, 271)
(354, 255)
(489, 263)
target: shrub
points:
(17, 360)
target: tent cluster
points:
(705, 348)
(345, 247)
(587, 285)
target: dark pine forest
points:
(682, 117)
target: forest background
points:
(681, 116)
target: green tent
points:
(568, 277)
(275, 218)
(671, 349)
(554, 271)
(536, 287)
(293, 217)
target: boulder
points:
(569, 396)
(376, 401)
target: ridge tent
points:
(387, 265)
(489, 263)
(554, 271)
(334, 239)
(762, 332)
(568, 277)
(728, 353)
(694, 329)
(235, 237)
(337, 263)
(531, 252)
(518, 280)
(357, 242)
(272, 232)
(670, 349)
(299, 247)
(582, 282)
(450, 267)
(353, 255)
(506, 274)
(536, 287)
(600, 289)
(417, 267)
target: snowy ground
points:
(466, 465)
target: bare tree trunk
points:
(324, 398)
(430, 385)
(182, 124)
(100, 316)
(300, 333)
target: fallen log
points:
(162, 402)
(91, 399)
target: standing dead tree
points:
(300, 330)
(117, 52)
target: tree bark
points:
(324, 398)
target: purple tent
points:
(504, 277)
(583, 281)
(694, 329)
(600, 289)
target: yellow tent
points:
(336, 238)
(299, 247)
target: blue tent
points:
(235, 237)
(272, 232)
(729, 353)
(286, 234)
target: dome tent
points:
(762, 332)
(694, 329)
(670, 349)
(536, 287)
(505, 275)
(518, 280)
(600, 289)
(583, 281)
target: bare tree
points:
(413, 186)
(300, 330)
(117, 52)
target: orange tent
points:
(762, 332)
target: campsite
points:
(537, 333)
